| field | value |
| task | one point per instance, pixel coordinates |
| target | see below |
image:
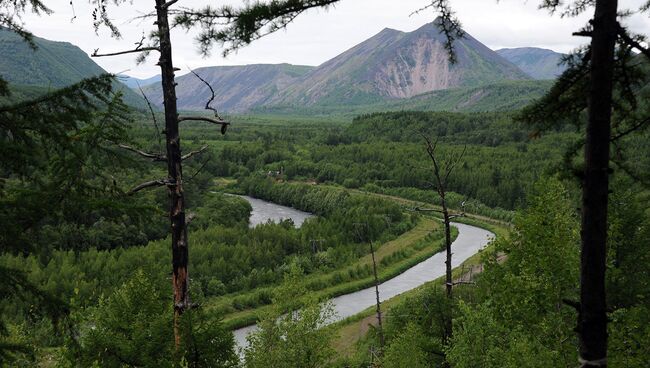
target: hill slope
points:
(52, 65)
(237, 88)
(501, 96)
(133, 82)
(394, 64)
(537, 63)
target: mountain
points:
(394, 64)
(52, 65)
(237, 88)
(133, 82)
(500, 96)
(536, 62)
(389, 66)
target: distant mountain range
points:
(390, 71)
(133, 82)
(52, 65)
(537, 63)
(392, 65)
(238, 88)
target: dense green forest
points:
(88, 223)
(324, 168)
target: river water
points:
(264, 211)
(470, 240)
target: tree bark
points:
(592, 319)
(448, 280)
(379, 323)
(180, 279)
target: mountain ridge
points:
(390, 65)
(537, 62)
(54, 64)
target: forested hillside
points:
(51, 65)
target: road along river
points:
(470, 240)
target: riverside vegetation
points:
(99, 267)
(86, 263)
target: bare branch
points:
(418, 209)
(583, 33)
(630, 130)
(452, 164)
(189, 155)
(224, 124)
(198, 171)
(448, 24)
(153, 156)
(630, 41)
(169, 3)
(138, 48)
(207, 104)
(149, 184)
(153, 116)
(142, 49)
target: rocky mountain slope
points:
(391, 65)
(237, 88)
(395, 64)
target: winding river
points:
(470, 240)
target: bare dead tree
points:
(173, 157)
(442, 169)
(380, 327)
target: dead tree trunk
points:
(445, 216)
(441, 173)
(180, 278)
(592, 319)
(374, 272)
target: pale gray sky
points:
(318, 35)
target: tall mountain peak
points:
(391, 64)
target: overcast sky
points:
(318, 35)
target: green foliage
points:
(499, 165)
(521, 320)
(499, 96)
(292, 335)
(133, 327)
(346, 214)
(409, 349)
(57, 161)
(49, 64)
(228, 211)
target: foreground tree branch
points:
(193, 153)
(218, 121)
(632, 42)
(149, 184)
(143, 49)
(156, 157)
